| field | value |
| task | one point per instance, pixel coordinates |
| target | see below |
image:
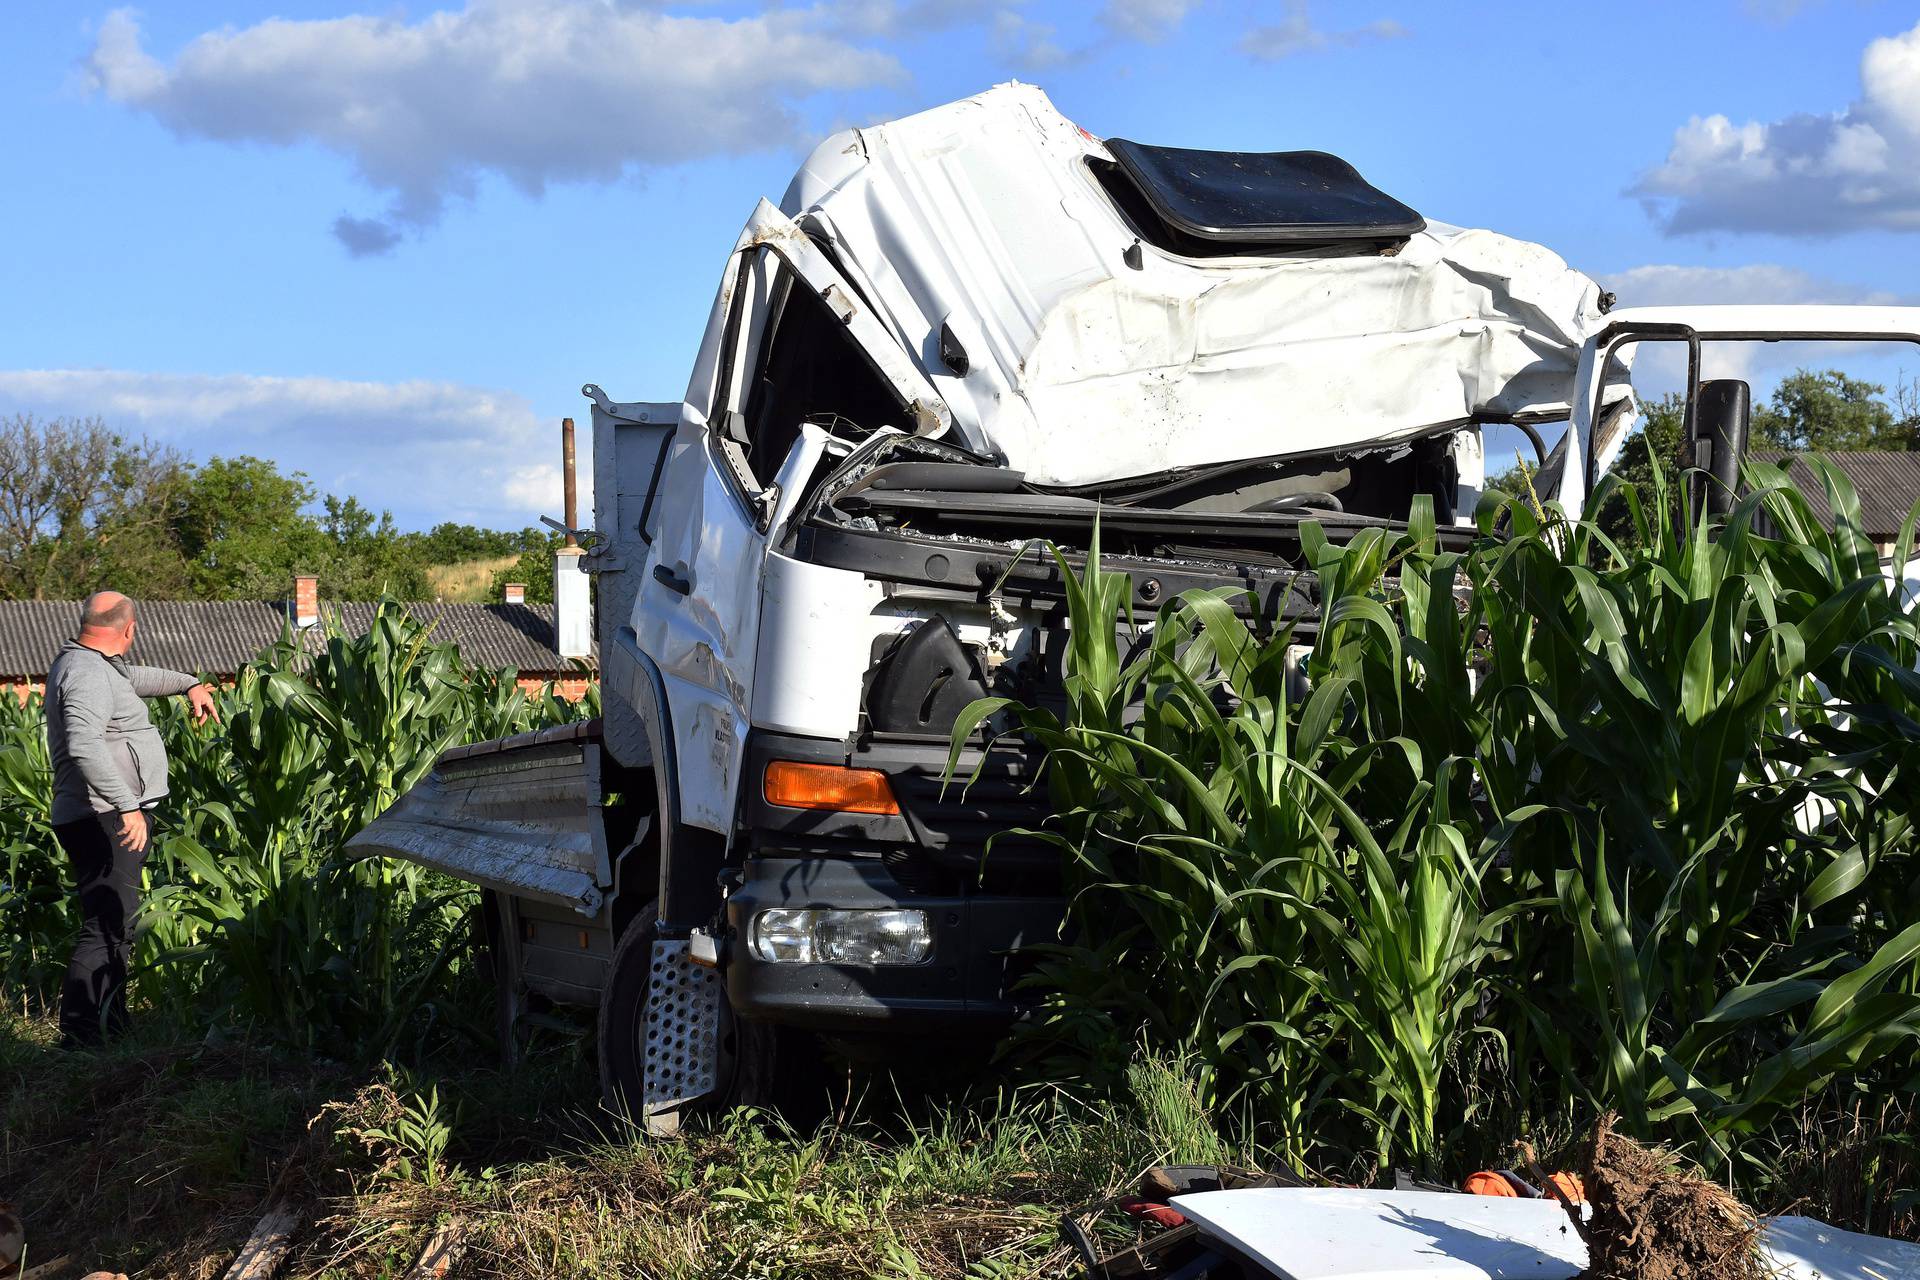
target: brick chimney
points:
(306, 600)
(516, 592)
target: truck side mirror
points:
(1722, 413)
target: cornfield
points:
(1557, 825)
(252, 920)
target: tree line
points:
(83, 506)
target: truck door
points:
(699, 609)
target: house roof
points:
(1887, 480)
(215, 637)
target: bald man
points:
(109, 772)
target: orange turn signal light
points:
(794, 784)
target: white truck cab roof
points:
(1094, 311)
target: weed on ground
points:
(158, 1156)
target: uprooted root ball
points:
(1654, 1221)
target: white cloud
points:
(1150, 21)
(1025, 43)
(1296, 33)
(1661, 367)
(1659, 285)
(535, 91)
(427, 451)
(1776, 11)
(539, 486)
(1805, 174)
(905, 18)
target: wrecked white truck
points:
(958, 333)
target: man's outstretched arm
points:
(158, 682)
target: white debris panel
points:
(1352, 1234)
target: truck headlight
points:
(828, 935)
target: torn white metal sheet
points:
(520, 820)
(984, 216)
(1339, 1234)
(1808, 1249)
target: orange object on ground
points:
(1164, 1215)
(1570, 1186)
(1488, 1183)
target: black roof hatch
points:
(1220, 201)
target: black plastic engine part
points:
(921, 684)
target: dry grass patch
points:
(468, 581)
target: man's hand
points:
(133, 832)
(200, 698)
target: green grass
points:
(157, 1156)
(1562, 826)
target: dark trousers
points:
(93, 1001)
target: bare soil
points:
(1652, 1220)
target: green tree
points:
(534, 568)
(1828, 411)
(451, 543)
(243, 530)
(80, 504)
(364, 556)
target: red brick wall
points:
(569, 688)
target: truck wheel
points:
(743, 1074)
(497, 947)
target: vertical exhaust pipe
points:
(569, 482)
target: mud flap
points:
(683, 1035)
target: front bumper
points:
(968, 976)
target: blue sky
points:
(385, 244)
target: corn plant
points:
(1559, 820)
(409, 1144)
(252, 917)
(32, 899)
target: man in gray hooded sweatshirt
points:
(109, 772)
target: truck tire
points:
(496, 948)
(744, 1073)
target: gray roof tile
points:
(215, 637)
(1888, 482)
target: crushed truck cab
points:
(958, 337)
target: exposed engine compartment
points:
(1244, 514)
